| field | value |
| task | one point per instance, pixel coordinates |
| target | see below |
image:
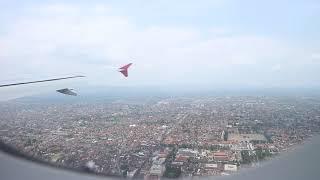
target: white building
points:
(157, 170)
(230, 167)
(211, 166)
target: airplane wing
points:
(9, 92)
(124, 69)
(39, 81)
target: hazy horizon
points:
(145, 93)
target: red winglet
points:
(124, 69)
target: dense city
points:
(160, 137)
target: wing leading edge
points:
(40, 81)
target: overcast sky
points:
(212, 43)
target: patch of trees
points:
(246, 158)
(185, 146)
(172, 172)
(262, 154)
(268, 137)
(30, 142)
(225, 137)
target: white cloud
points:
(64, 38)
(315, 56)
(276, 67)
